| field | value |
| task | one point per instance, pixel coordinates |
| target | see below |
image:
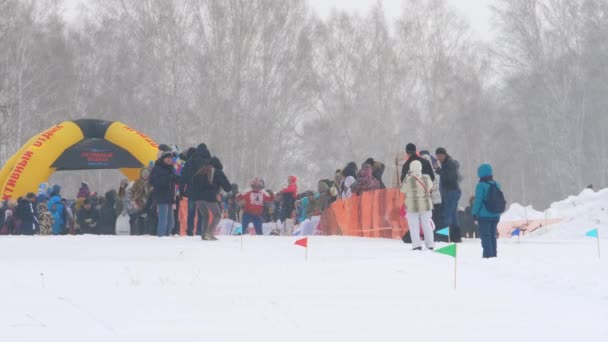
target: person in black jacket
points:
(163, 180)
(27, 213)
(450, 192)
(108, 214)
(195, 158)
(88, 218)
(206, 184)
(427, 168)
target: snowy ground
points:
(182, 289)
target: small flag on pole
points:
(238, 231)
(444, 231)
(448, 250)
(451, 250)
(304, 243)
(592, 233)
(516, 232)
(595, 234)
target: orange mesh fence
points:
(374, 214)
(183, 218)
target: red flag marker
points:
(302, 242)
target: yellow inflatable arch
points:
(76, 145)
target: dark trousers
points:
(205, 209)
(257, 223)
(449, 201)
(286, 211)
(191, 216)
(487, 233)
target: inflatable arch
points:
(76, 145)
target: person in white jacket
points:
(417, 187)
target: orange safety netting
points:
(375, 214)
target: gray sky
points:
(476, 11)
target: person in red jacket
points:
(289, 196)
(254, 205)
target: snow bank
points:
(580, 214)
(517, 212)
(577, 214)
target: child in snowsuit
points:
(254, 201)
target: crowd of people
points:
(431, 184)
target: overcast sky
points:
(476, 11)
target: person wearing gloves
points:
(416, 187)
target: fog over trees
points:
(274, 89)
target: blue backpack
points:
(495, 200)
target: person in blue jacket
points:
(58, 210)
(488, 221)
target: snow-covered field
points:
(92, 288)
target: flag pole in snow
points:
(303, 243)
(599, 256)
(455, 265)
(594, 233)
(451, 250)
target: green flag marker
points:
(448, 250)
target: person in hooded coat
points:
(365, 181)
(84, 191)
(289, 195)
(416, 187)
(107, 214)
(488, 221)
(347, 187)
(163, 180)
(196, 157)
(58, 210)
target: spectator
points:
(88, 218)
(108, 214)
(450, 192)
(137, 202)
(27, 214)
(163, 180)
(419, 205)
(412, 155)
(84, 191)
(488, 220)
(365, 181)
(45, 218)
(206, 184)
(289, 196)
